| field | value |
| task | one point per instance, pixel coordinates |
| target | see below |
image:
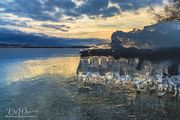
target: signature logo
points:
(21, 112)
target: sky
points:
(77, 18)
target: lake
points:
(40, 84)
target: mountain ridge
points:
(18, 39)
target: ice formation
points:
(151, 76)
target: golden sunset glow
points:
(63, 66)
(89, 28)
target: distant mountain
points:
(163, 34)
(19, 39)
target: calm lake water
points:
(40, 84)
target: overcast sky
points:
(76, 18)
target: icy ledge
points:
(156, 77)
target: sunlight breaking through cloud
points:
(76, 18)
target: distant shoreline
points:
(45, 46)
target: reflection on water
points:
(35, 80)
(63, 66)
(47, 85)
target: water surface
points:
(42, 84)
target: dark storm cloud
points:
(63, 28)
(55, 9)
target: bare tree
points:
(170, 12)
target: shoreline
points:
(45, 46)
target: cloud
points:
(39, 9)
(62, 28)
(55, 10)
(98, 8)
(14, 23)
(135, 4)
